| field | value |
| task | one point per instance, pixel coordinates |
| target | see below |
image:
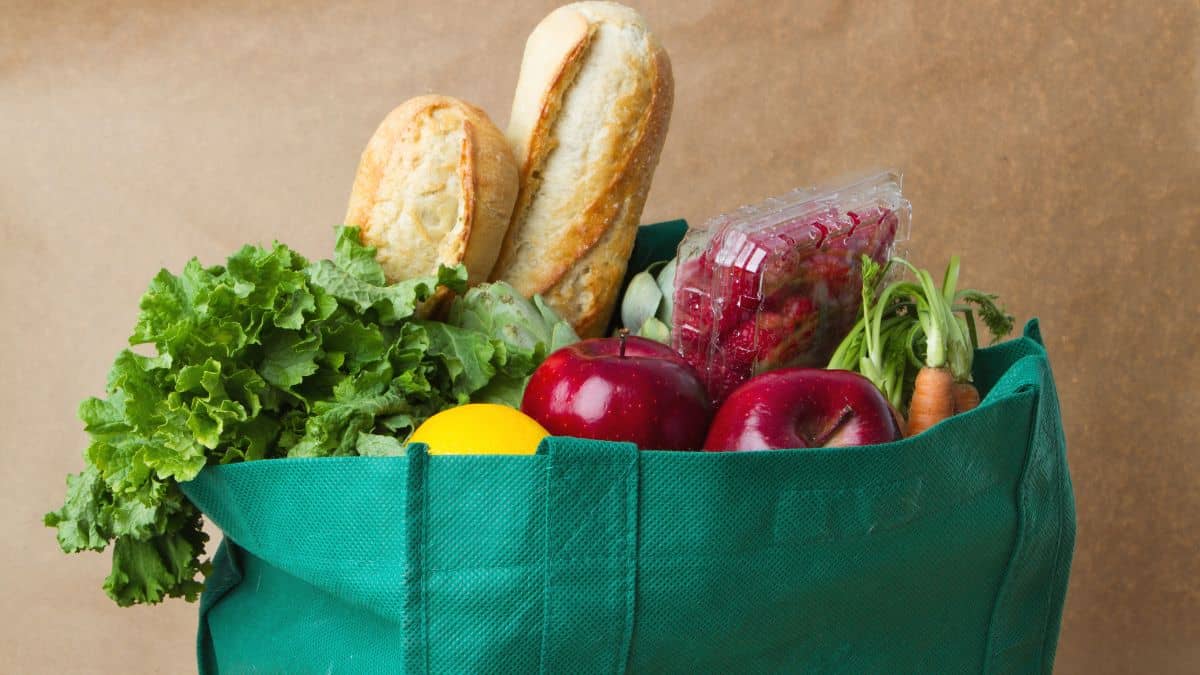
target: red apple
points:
(802, 408)
(620, 389)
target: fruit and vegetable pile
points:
(778, 328)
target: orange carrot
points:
(966, 397)
(932, 399)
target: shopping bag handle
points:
(591, 555)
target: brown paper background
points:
(1054, 145)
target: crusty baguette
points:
(435, 186)
(589, 117)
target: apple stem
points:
(621, 335)
(823, 438)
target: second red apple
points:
(803, 408)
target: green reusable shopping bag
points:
(946, 552)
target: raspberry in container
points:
(778, 283)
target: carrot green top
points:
(914, 324)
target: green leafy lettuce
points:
(274, 356)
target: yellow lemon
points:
(480, 429)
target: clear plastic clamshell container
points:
(779, 283)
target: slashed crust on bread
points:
(589, 119)
(435, 186)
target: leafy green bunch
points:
(274, 356)
(910, 324)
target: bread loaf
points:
(589, 117)
(435, 186)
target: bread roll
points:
(435, 186)
(589, 117)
